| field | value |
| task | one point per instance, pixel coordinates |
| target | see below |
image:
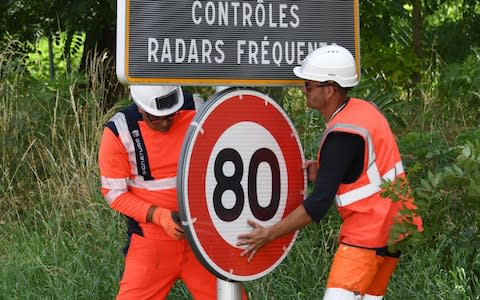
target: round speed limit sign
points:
(241, 160)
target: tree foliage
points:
(446, 29)
(30, 20)
(398, 37)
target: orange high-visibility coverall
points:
(138, 169)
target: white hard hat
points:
(157, 100)
(326, 63)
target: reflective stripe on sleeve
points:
(154, 185)
(114, 183)
(139, 182)
(113, 194)
(118, 186)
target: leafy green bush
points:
(449, 201)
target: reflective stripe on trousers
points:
(342, 294)
(371, 297)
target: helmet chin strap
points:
(339, 108)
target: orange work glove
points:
(165, 217)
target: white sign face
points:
(241, 159)
(230, 43)
(234, 138)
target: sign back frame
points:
(132, 68)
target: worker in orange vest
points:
(138, 157)
(357, 152)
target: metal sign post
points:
(228, 290)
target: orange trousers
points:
(152, 266)
(361, 270)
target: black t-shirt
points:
(341, 161)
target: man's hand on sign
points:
(260, 236)
(254, 240)
(312, 169)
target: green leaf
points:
(426, 185)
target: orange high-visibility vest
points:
(367, 216)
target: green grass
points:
(60, 259)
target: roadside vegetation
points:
(60, 240)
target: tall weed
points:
(450, 96)
(57, 235)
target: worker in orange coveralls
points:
(357, 152)
(138, 158)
